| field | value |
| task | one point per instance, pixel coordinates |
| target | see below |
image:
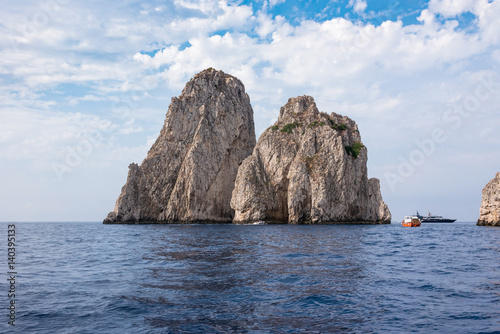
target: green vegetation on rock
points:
(335, 126)
(290, 126)
(340, 127)
(354, 149)
(315, 124)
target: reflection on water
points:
(278, 278)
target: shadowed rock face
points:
(310, 167)
(489, 213)
(189, 172)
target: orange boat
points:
(411, 221)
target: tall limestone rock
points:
(489, 213)
(189, 172)
(310, 167)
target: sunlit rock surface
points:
(489, 213)
(189, 172)
(310, 167)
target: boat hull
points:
(438, 220)
(411, 221)
(411, 224)
(434, 219)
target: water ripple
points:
(92, 278)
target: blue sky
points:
(85, 89)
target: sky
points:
(85, 87)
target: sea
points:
(95, 278)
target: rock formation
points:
(489, 213)
(310, 167)
(189, 172)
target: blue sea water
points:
(94, 278)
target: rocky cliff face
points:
(310, 167)
(188, 174)
(489, 213)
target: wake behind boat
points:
(434, 219)
(259, 223)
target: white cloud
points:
(165, 56)
(273, 3)
(451, 8)
(488, 20)
(204, 6)
(33, 135)
(89, 97)
(265, 25)
(358, 6)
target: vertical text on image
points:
(11, 274)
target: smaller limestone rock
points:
(489, 213)
(308, 168)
